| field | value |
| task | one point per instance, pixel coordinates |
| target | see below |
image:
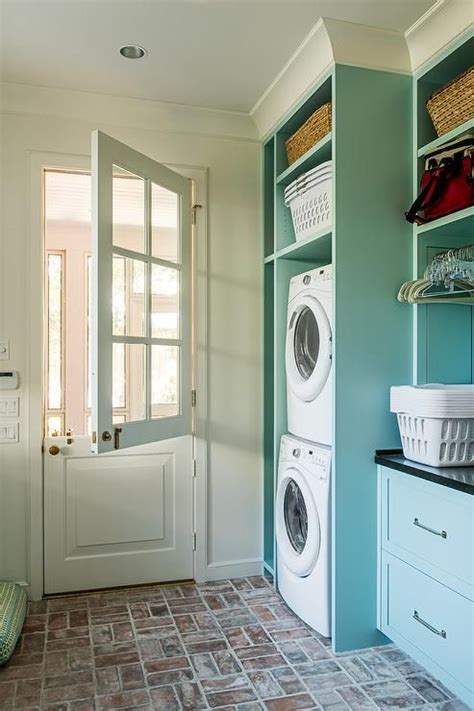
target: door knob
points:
(54, 449)
(106, 436)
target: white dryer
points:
(303, 531)
(309, 355)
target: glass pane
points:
(164, 223)
(164, 303)
(306, 343)
(128, 201)
(296, 516)
(128, 297)
(164, 381)
(119, 371)
(128, 381)
(54, 426)
(55, 330)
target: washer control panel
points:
(315, 458)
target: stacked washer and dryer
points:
(303, 501)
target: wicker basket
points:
(453, 104)
(312, 131)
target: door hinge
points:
(94, 438)
(194, 210)
(194, 541)
(193, 398)
(194, 468)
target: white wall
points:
(44, 120)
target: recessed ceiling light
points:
(132, 51)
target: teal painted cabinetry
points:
(369, 245)
(426, 569)
(444, 348)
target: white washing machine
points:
(303, 531)
(309, 355)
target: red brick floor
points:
(229, 644)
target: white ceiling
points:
(219, 54)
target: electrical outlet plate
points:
(4, 349)
(9, 432)
(9, 406)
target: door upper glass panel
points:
(296, 516)
(141, 297)
(164, 224)
(128, 200)
(306, 343)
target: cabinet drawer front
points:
(428, 521)
(430, 616)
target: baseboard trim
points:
(234, 569)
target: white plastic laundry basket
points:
(436, 423)
(439, 442)
(310, 201)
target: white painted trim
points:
(329, 42)
(234, 569)
(34, 346)
(446, 22)
(36, 163)
(111, 110)
(318, 26)
(431, 11)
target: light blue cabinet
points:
(425, 581)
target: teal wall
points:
(373, 332)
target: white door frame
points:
(37, 163)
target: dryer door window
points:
(306, 343)
(296, 516)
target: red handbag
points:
(446, 184)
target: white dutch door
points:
(118, 498)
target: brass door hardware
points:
(106, 436)
(117, 432)
(69, 434)
(54, 449)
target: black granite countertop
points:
(460, 478)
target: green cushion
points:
(12, 615)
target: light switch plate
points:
(4, 349)
(9, 406)
(9, 432)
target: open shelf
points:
(317, 247)
(317, 154)
(444, 68)
(458, 224)
(269, 258)
(446, 138)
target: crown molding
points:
(121, 111)
(329, 42)
(445, 22)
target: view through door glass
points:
(145, 297)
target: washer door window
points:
(298, 529)
(296, 516)
(308, 348)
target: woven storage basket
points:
(453, 104)
(312, 131)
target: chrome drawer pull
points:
(428, 626)
(443, 534)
